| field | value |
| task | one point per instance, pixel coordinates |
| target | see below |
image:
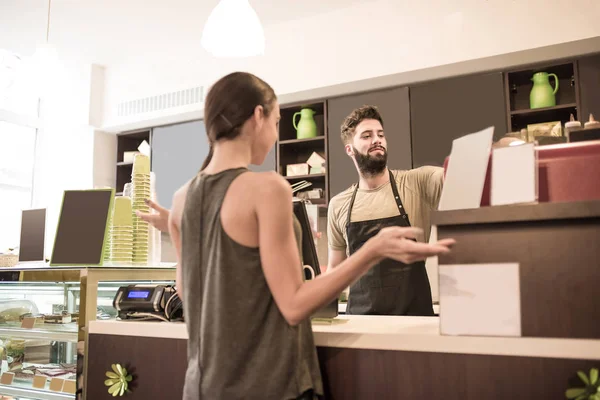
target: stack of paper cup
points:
(121, 250)
(107, 242)
(140, 189)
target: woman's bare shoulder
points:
(178, 203)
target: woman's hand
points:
(395, 242)
(158, 219)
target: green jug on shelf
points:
(542, 93)
(307, 127)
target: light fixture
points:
(233, 30)
(45, 61)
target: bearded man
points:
(382, 198)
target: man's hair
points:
(356, 117)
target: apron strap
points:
(351, 204)
(401, 209)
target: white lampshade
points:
(233, 30)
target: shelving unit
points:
(291, 150)
(128, 141)
(518, 86)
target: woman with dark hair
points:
(239, 273)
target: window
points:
(17, 153)
(17, 88)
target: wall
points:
(365, 40)
(66, 149)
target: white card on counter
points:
(431, 266)
(467, 167)
(514, 175)
(480, 299)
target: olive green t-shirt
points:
(420, 190)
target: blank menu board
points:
(33, 229)
(82, 227)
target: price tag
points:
(70, 386)
(28, 322)
(56, 384)
(7, 378)
(39, 382)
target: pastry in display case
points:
(42, 340)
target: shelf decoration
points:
(118, 380)
(591, 391)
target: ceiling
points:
(111, 31)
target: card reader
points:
(148, 302)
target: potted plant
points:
(591, 391)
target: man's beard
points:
(370, 164)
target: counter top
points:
(518, 213)
(389, 333)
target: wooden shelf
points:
(317, 140)
(124, 164)
(541, 110)
(300, 177)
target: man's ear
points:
(349, 150)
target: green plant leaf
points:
(129, 378)
(593, 397)
(574, 392)
(112, 375)
(583, 377)
(582, 397)
(110, 382)
(114, 368)
(114, 388)
(122, 390)
(593, 376)
(124, 372)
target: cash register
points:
(148, 302)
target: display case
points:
(44, 314)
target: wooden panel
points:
(157, 365)
(589, 87)
(393, 105)
(375, 374)
(178, 152)
(445, 110)
(559, 275)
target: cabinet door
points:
(178, 152)
(445, 110)
(394, 108)
(270, 163)
(589, 87)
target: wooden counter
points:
(364, 357)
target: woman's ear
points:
(259, 115)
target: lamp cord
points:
(48, 21)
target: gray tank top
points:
(240, 346)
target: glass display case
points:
(44, 312)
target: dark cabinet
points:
(445, 110)
(394, 107)
(589, 87)
(178, 152)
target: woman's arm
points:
(174, 225)
(296, 299)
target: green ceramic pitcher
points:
(542, 93)
(307, 127)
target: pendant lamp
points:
(233, 30)
(45, 61)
